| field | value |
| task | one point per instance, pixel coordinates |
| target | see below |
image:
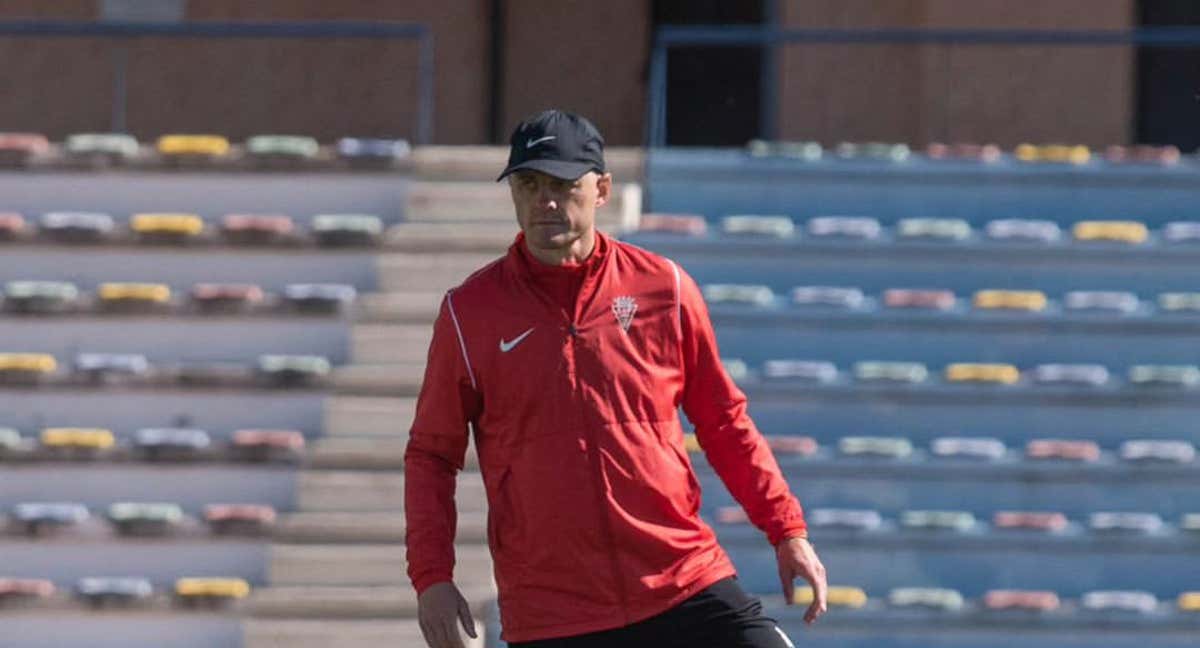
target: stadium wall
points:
(590, 56)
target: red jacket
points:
(593, 504)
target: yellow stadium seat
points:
(1053, 153)
(1189, 601)
(69, 437)
(691, 443)
(159, 293)
(1120, 231)
(1028, 300)
(212, 587)
(976, 372)
(181, 224)
(213, 145)
(851, 597)
(35, 362)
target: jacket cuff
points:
(425, 582)
(794, 528)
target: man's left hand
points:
(797, 557)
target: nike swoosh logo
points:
(532, 143)
(506, 346)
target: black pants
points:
(721, 615)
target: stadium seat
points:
(98, 593)
(959, 521)
(1164, 375)
(102, 148)
(791, 445)
(1063, 450)
(890, 372)
(76, 442)
(40, 518)
(1050, 521)
(12, 226)
(750, 295)
(166, 228)
(171, 444)
(10, 441)
(963, 151)
(972, 372)
(1181, 232)
(1111, 231)
(26, 368)
(837, 596)
(935, 229)
(368, 153)
(849, 227)
(109, 368)
(1023, 230)
(968, 448)
(737, 368)
(691, 443)
(192, 146)
(293, 370)
(1189, 602)
(225, 298)
(25, 589)
(1053, 153)
(75, 227)
(934, 598)
(269, 150)
(1142, 154)
(18, 149)
(1101, 300)
(807, 151)
(1080, 375)
(1119, 601)
(1023, 600)
(1016, 300)
(919, 299)
(128, 297)
(831, 296)
(883, 447)
(261, 445)
(239, 519)
(1151, 451)
(144, 518)
(1179, 302)
(680, 224)
(318, 298)
(256, 229)
(1118, 522)
(1190, 522)
(848, 519)
(881, 151)
(800, 370)
(336, 230)
(210, 592)
(731, 515)
(770, 226)
(40, 297)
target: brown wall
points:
(996, 94)
(580, 55)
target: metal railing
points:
(124, 31)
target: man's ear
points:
(603, 188)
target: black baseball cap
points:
(558, 143)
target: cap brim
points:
(558, 168)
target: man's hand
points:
(798, 558)
(439, 607)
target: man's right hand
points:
(439, 608)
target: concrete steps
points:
(374, 492)
(357, 565)
(368, 416)
(325, 633)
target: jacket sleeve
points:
(437, 444)
(733, 445)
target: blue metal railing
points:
(676, 36)
(204, 29)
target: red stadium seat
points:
(1065, 450)
(1032, 600)
(927, 299)
(963, 151)
(732, 515)
(17, 589)
(12, 226)
(683, 224)
(239, 519)
(256, 229)
(799, 445)
(1037, 521)
(267, 445)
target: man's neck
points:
(577, 252)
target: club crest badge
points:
(624, 308)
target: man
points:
(570, 357)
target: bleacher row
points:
(951, 230)
(155, 444)
(269, 370)
(292, 152)
(895, 152)
(106, 592)
(59, 297)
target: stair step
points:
(383, 564)
(350, 491)
(347, 415)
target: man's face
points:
(554, 213)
